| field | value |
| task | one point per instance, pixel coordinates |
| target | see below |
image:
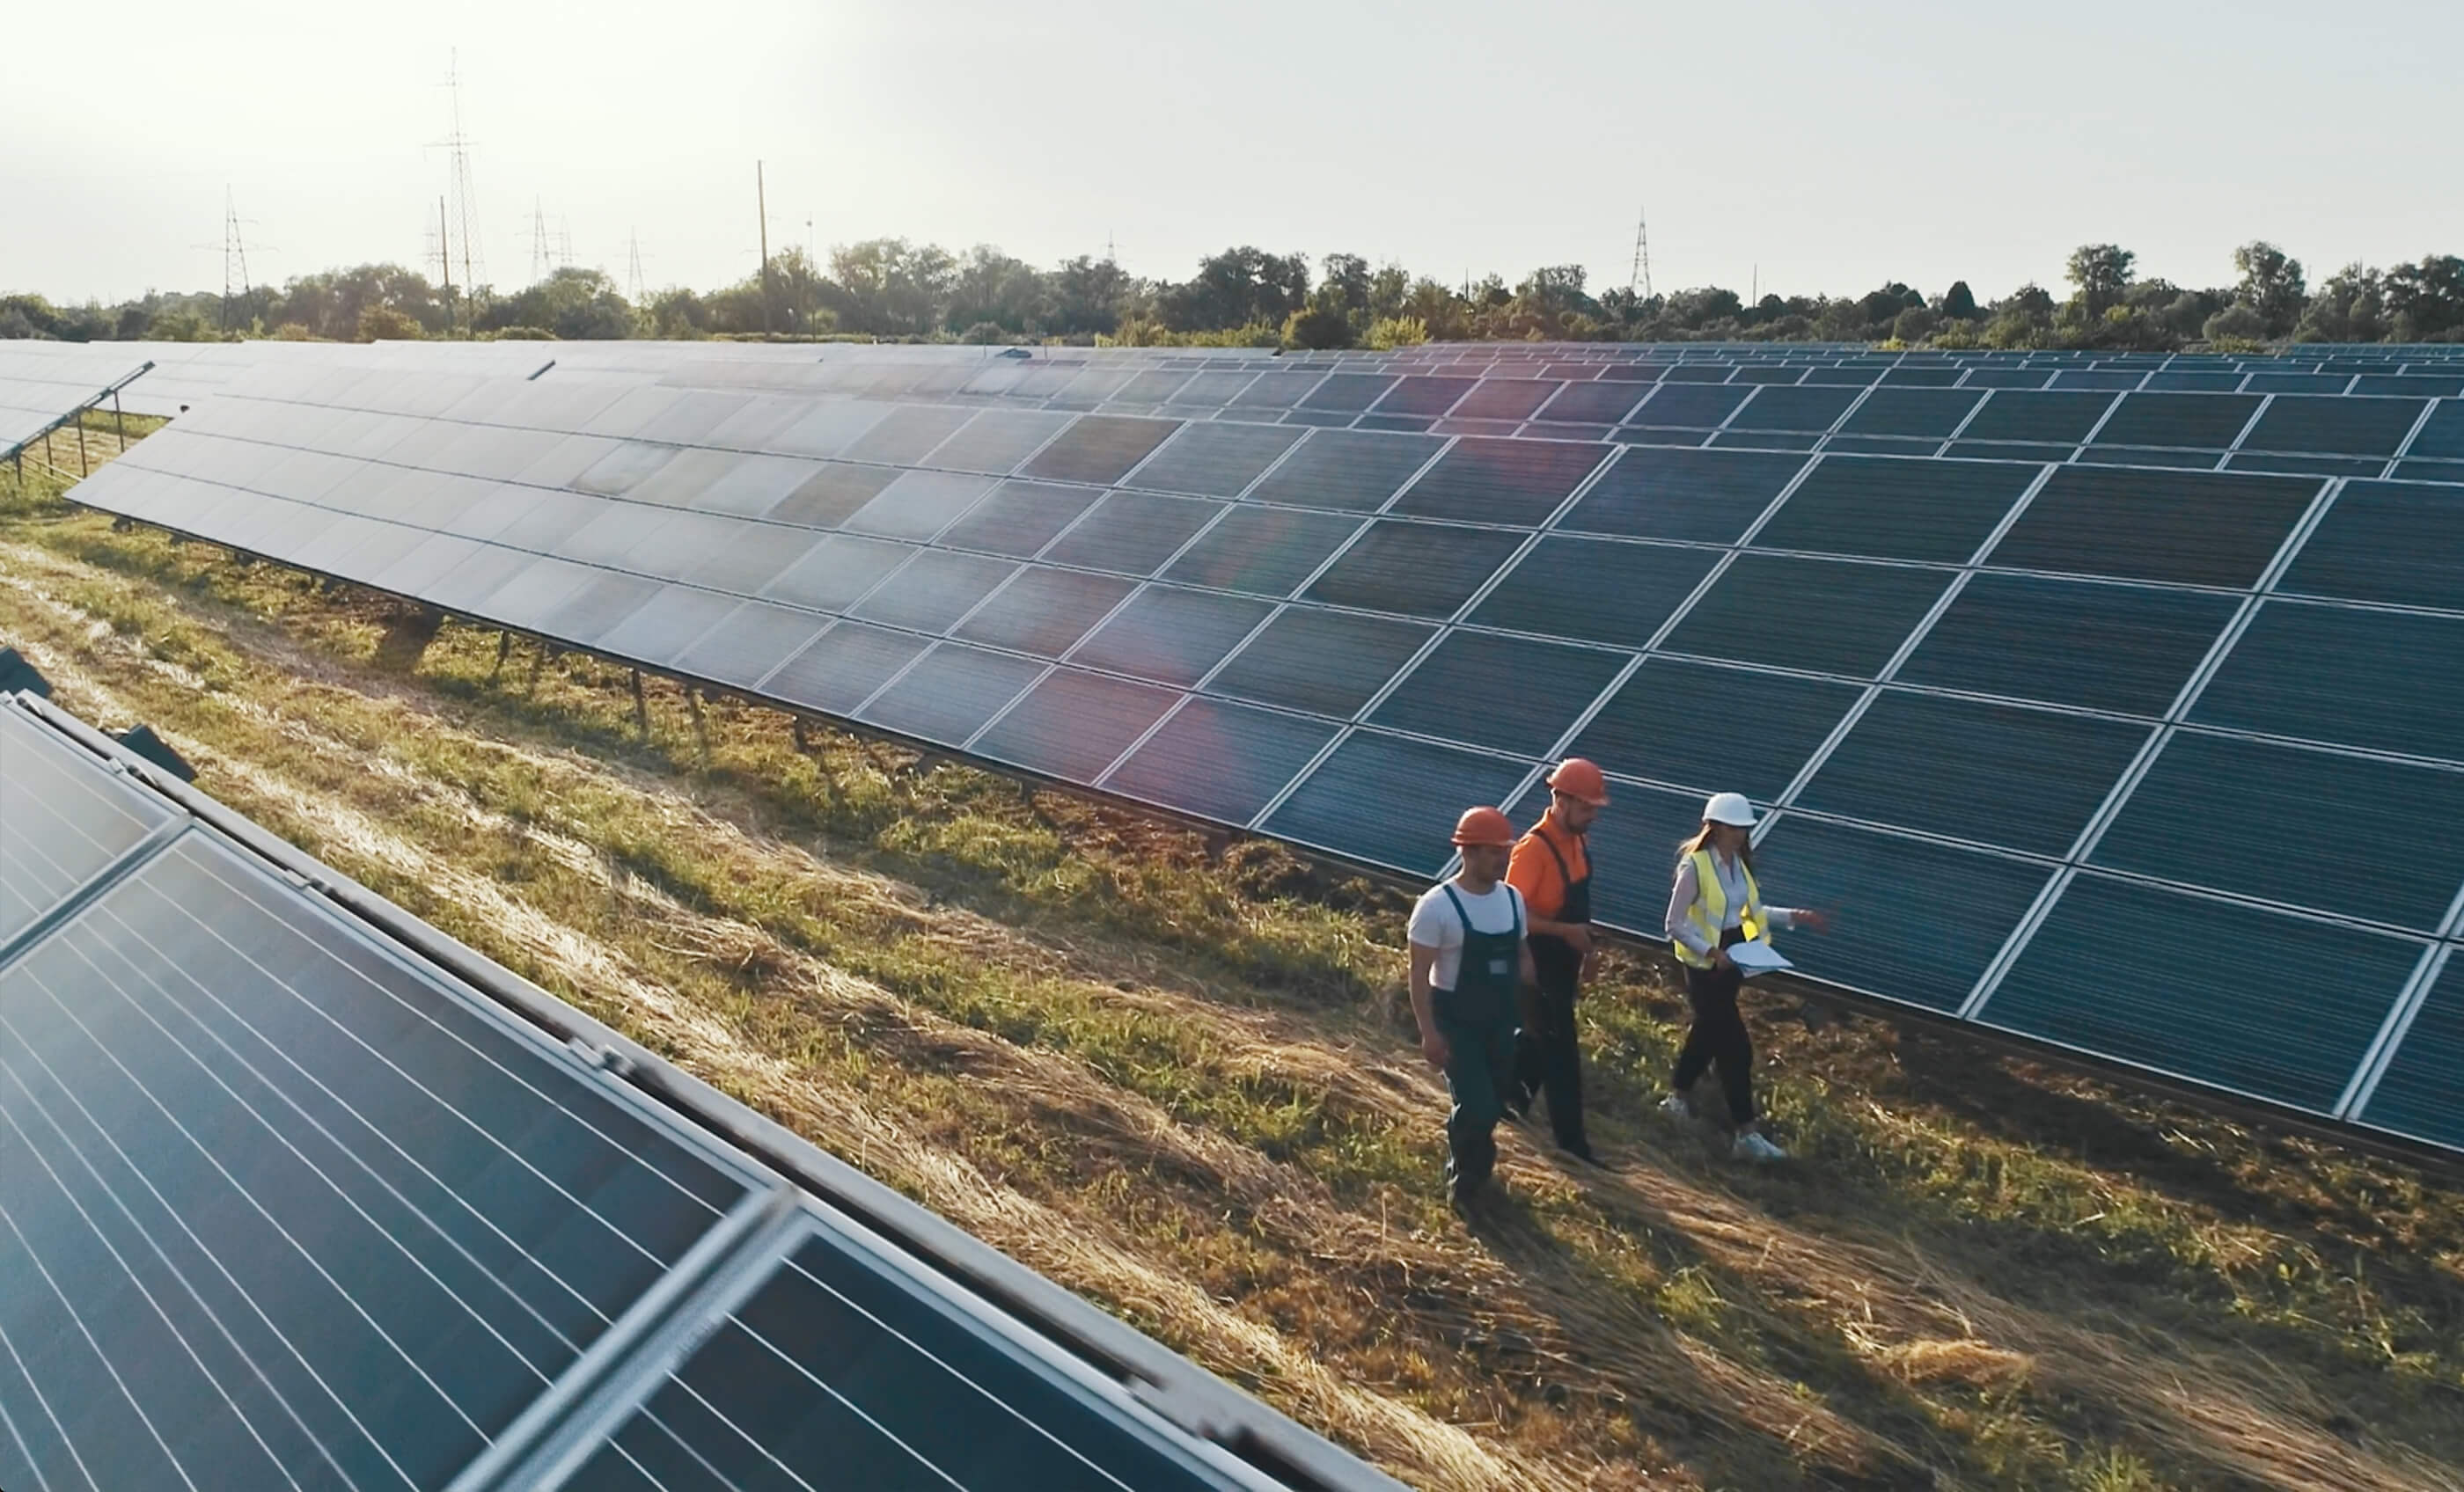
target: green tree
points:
(2103, 274)
(2350, 306)
(1235, 288)
(2238, 322)
(888, 287)
(991, 287)
(2427, 299)
(575, 304)
(676, 314)
(1088, 297)
(1914, 324)
(1959, 304)
(1390, 290)
(2272, 284)
(1345, 283)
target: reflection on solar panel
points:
(291, 1203)
(1967, 621)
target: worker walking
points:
(1468, 959)
(1553, 868)
(1714, 906)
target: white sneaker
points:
(1675, 1107)
(1752, 1145)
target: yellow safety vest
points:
(1710, 908)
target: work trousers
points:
(1547, 1059)
(1479, 1067)
(1718, 1037)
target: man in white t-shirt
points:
(1468, 962)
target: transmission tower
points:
(462, 224)
(564, 242)
(633, 273)
(234, 266)
(539, 258)
(1638, 282)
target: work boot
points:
(1752, 1145)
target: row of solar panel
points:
(536, 567)
(1116, 713)
(288, 1205)
(1297, 499)
(749, 604)
(1929, 918)
(38, 392)
(2201, 410)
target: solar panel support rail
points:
(1185, 1394)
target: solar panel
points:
(2415, 1094)
(2128, 649)
(2378, 680)
(2008, 775)
(289, 1204)
(1904, 510)
(1925, 944)
(2251, 1015)
(1234, 593)
(2184, 528)
(2394, 542)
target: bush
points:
(985, 334)
(2239, 322)
(1398, 331)
(1317, 328)
(1914, 324)
(384, 323)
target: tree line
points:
(893, 289)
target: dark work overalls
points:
(1477, 1020)
(1547, 1059)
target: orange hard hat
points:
(1581, 781)
(1484, 826)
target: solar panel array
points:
(42, 384)
(286, 1203)
(2072, 697)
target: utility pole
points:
(762, 203)
(445, 258)
(1638, 282)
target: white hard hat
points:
(1730, 808)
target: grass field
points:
(1178, 1079)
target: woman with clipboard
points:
(1715, 906)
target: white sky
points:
(1835, 145)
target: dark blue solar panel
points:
(2252, 1014)
(1392, 802)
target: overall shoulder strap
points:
(1465, 916)
(1565, 877)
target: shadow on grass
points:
(1699, 1419)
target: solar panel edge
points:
(785, 1177)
